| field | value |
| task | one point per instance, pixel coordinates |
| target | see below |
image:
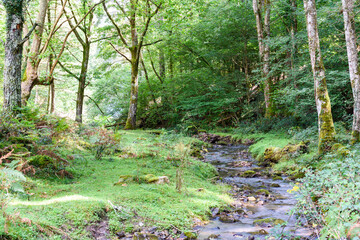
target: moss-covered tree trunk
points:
(82, 81)
(263, 32)
(13, 54)
(31, 77)
(352, 53)
(323, 105)
(131, 120)
(135, 58)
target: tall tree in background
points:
(323, 105)
(82, 34)
(352, 53)
(13, 53)
(262, 7)
(134, 13)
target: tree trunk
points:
(131, 120)
(162, 67)
(350, 35)
(135, 57)
(82, 82)
(13, 55)
(263, 32)
(31, 74)
(323, 105)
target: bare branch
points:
(54, 28)
(103, 38)
(127, 59)
(148, 44)
(154, 69)
(28, 35)
(68, 71)
(67, 36)
(147, 26)
(122, 9)
(115, 25)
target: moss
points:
(42, 161)
(340, 150)
(297, 176)
(355, 137)
(150, 178)
(275, 185)
(277, 178)
(263, 191)
(248, 173)
(190, 235)
(145, 236)
(24, 140)
(124, 179)
(272, 221)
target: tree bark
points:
(31, 74)
(350, 36)
(82, 82)
(13, 54)
(323, 105)
(263, 33)
(135, 57)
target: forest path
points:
(261, 201)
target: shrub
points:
(329, 197)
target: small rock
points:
(251, 199)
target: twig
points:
(28, 35)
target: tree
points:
(352, 53)
(263, 31)
(82, 34)
(31, 75)
(325, 121)
(13, 52)
(134, 12)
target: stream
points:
(257, 197)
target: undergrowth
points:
(72, 173)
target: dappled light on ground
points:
(54, 200)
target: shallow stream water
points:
(277, 204)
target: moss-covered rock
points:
(271, 221)
(275, 185)
(145, 236)
(277, 178)
(248, 174)
(190, 235)
(263, 192)
(297, 176)
(273, 155)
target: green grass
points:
(71, 205)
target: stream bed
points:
(261, 201)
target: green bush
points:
(329, 197)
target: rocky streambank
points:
(263, 198)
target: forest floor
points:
(91, 183)
(119, 194)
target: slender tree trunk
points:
(323, 105)
(13, 54)
(293, 32)
(82, 82)
(350, 35)
(263, 33)
(162, 67)
(131, 120)
(31, 74)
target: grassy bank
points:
(58, 207)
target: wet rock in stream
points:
(260, 196)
